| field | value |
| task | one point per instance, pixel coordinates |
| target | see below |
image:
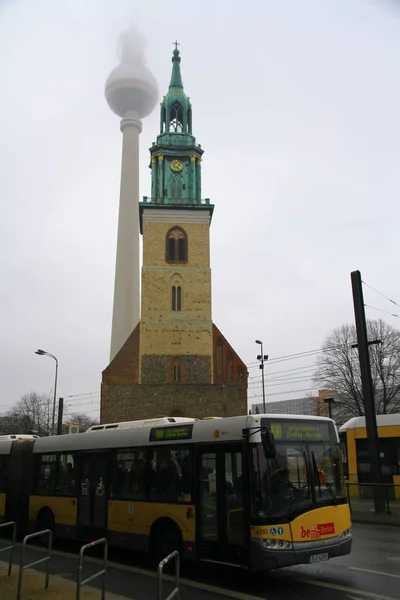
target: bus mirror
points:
(268, 443)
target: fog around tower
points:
(131, 46)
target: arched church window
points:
(176, 245)
(175, 187)
(163, 120)
(176, 374)
(173, 305)
(176, 118)
(176, 298)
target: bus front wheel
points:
(165, 538)
(45, 520)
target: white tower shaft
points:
(126, 310)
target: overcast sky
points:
(297, 107)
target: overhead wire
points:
(382, 311)
(281, 393)
(287, 357)
(381, 294)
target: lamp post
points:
(329, 400)
(43, 353)
(262, 357)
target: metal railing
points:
(23, 567)
(362, 497)
(103, 572)
(11, 548)
(175, 591)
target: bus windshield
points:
(305, 473)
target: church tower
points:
(176, 328)
(176, 362)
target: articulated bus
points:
(245, 491)
(355, 454)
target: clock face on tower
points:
(176, 165)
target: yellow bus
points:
(244, 491)
(355, 454)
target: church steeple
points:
(176, 79)
(176, 109)
(175, 156)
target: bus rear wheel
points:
(165, 538)
(45, 520)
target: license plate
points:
(315, 558)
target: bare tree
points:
(84, 421)
(338, 369)
(32, 413)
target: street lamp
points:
(262, 357)
(43, 353)
(329, 400)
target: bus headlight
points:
(346, 534)
(276, 544)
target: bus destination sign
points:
(305, 431)
(166, 434)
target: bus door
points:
(221, 527)
(92, 495)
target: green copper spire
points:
(176, 110)
(175, 156)
(176, 78)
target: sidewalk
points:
(33, 587)
(123, 582)
(362, 511)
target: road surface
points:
(371, 572)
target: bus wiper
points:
(315, 468)
(328, 485)
(295, 506)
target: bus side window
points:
(66, 481)
(182, 462)
(128, 475)
(46, 474)
(2, 474)
(172, 479)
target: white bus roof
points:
(210, 430)
(143, 423)
(381, 421)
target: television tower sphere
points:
(131, 86)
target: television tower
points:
(132, 93)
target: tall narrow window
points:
(176, 245)
(173, 298)
(176, 118)
(177, 373)
(179, 298)
(181, 249)
(171, 248)
(176, 303)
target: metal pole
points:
(262, 376)
(367, 387)
(261, 358)
(21, 572)
(60, 415)
(54, 400)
